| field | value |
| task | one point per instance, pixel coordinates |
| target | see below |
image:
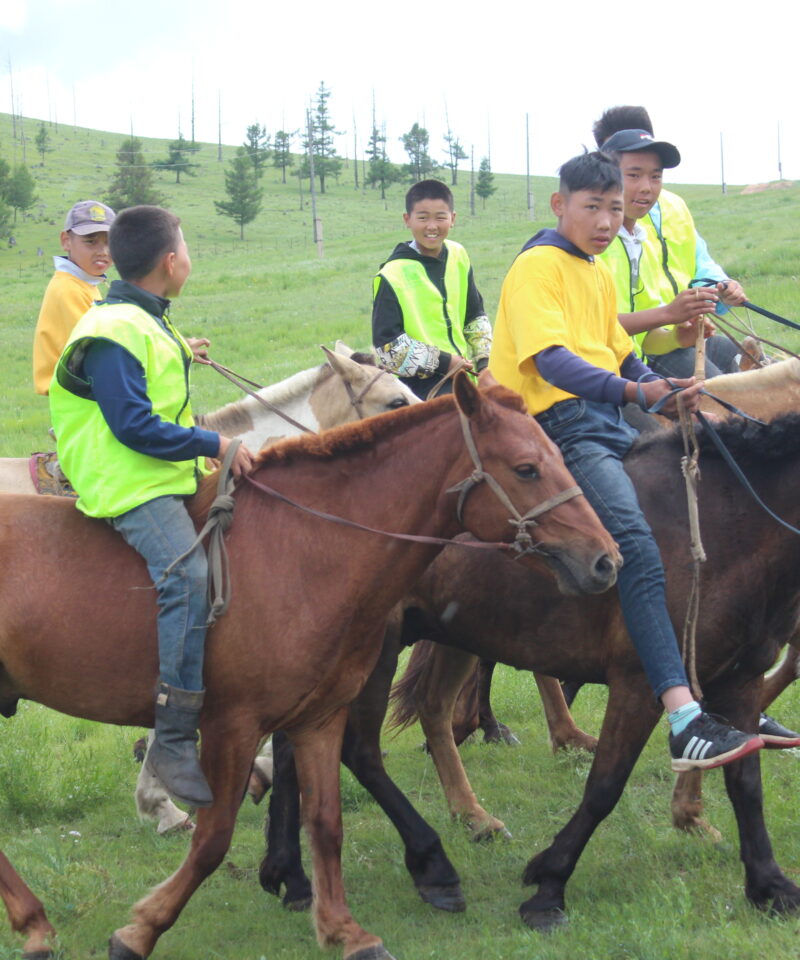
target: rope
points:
(240, 382)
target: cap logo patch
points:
(97, 213)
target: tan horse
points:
(304, 626)
(318, 398)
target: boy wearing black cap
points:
(658, 255)
(73, 287)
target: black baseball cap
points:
(626, 141)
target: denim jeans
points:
(161, 530)
(720, 358)
(593, 438)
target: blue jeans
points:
(161, 530)
(720, 358)
(593, 438)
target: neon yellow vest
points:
(426, 316)
(676, 244)
(109, 477)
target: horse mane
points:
(748, 443)
(227, 419)
(775, 376)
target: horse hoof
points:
(298, 905)
(489, 833)
(449, 898)
(376, 952)
(118, 951)
(544, 921)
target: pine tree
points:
(454, 152)
(133, 181)
(20, 190)
(5, 210)
(42, 141)
(485, 186)
(326, 161)
(380, 169)
(241, 185)
(178, 159)
(256, 145)
(281, 150)
(415, 144)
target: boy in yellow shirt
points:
(557, 342)
(73, 286)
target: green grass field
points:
(640, 892)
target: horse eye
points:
(399, 402)
(526, 471)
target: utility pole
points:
(472, 181)
(219, 125)
(722, 163)
(780, 166)
(531, 213)
(317, 221)
(192, 101)
(13, 107)
(355, 152)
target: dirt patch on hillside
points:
(774, 185)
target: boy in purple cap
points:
(73, 286)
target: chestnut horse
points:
(303, 629)
(477, 605)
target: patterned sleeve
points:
(408, 357)
(478, 333)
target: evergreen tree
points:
(326, 161)
(415, 144)
(241, 185)
(5, 210)
(178, 159)
(256, 145)
(454, 152)
(20, 190)
(281, 151)
(485, 186)
(42, 141)
(133, 181)
(380, 169)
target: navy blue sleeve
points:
(634, 369)
(120, 389)
(571, 373)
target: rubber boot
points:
(172, 757)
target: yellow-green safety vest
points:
(109, 477)
(428, 317)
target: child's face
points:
(89, 251)
(642, 173)
(429, 222)
(588, 218)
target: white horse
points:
(348, 386)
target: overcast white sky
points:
(702, 69)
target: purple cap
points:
(89, 216)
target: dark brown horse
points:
(303, 630)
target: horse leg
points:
(317, 753)
(154, 803)
(782, 676)
(466, 718)
(434, 876)
(564, 732)
(226, 760)
(282, 864)
(25, 914)
(630, 716)
(493, 730)
(570, 689)
(435, 696)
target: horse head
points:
(516, 462)
(368, 389)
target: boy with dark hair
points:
(73, 287)
(126, 439)
(427, 314)
(658, 255)
(557, 342)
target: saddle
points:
(47, 476)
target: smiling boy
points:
(73, 287)
(557, 342)
(427, 314)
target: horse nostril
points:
(605, 567)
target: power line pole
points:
(722, 163)
(472, 181)
(219, 125)
(531, 213)
(780, 167)
(317, 221)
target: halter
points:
(356, 400)
(523, 542)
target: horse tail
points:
(403, 692)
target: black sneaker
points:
(707, 743)
(775, 735)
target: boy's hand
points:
(198, 347)
(456, 363)
(731, 293)
(654, 390)
(242, 461)
(487, 379)
(686, 333)
(690, 304)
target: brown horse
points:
(303, 629)
(751, 591)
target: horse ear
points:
(468, 398)
(341, 364)
(341, 348)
